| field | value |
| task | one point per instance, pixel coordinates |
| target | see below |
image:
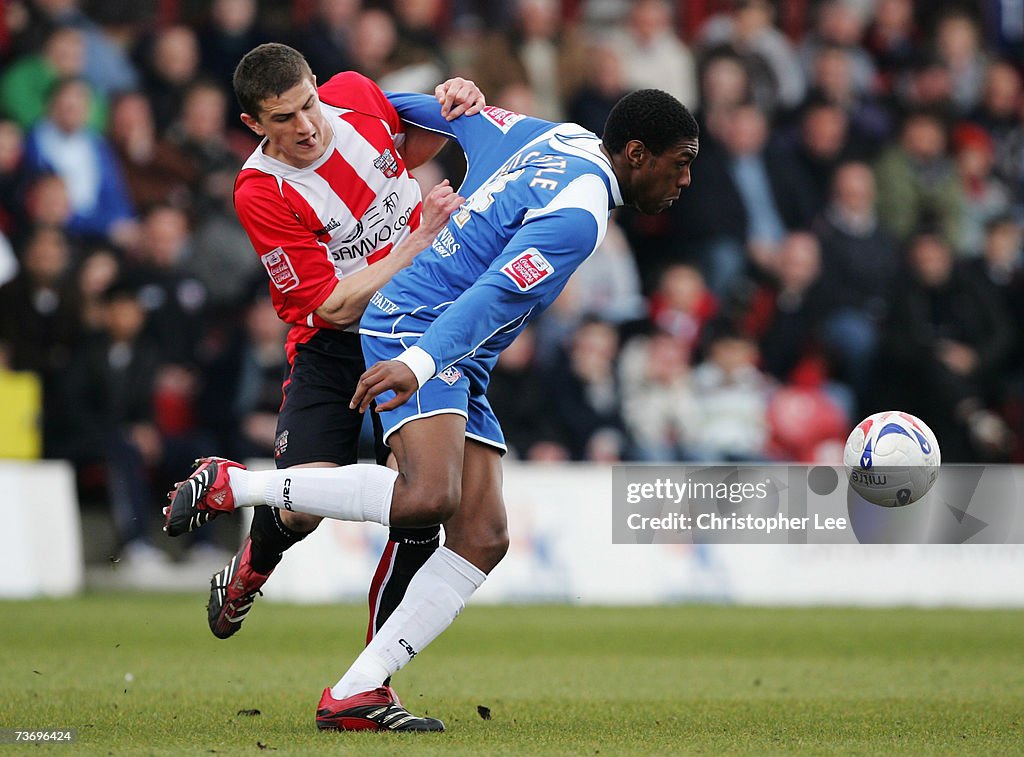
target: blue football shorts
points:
(452, 391)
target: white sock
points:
(436, 595)
(352, 492)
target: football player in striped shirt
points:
(539, 197)
(331, 209)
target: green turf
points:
(558, 680)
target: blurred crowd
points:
(851, 242)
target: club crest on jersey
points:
(281, 443)
(450, 375)
(503, 119)
(386, 163)
(280, 268)
(528, 269)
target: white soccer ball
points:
(892, 458)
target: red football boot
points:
(232, 592)
(201, 497)
(374, 710)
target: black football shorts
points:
(315, 423)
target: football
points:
(892, 458)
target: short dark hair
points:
(650, 116)
(267, 71)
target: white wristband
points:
(419, 362)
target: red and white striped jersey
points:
(315, 225)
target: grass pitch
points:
(141, 674)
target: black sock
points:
(407, 550)
(270, 538)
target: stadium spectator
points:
(724, 85)
(173, 298)
(517, 97)
(326, 38)
(249, 371)
(958, 43)
(170, 62)
(221, 257)
(985, 195)
(805, 423)
(1001, 114)
(652, 53)
(200, 134)
(232, 29)
(155, 170)
(1011, 161)
(927, 84)
(731, 423)
(63, 144)
(944, 345)
(1005, 31)
(860, 264)
(26, 88)
(917, 181)
(39, 322)
(839, 26)
(1001, 266)
(106, 419)
(374, 41)
(682, 306)
(753, 195)
(377, 54)
(658, 406)
(47, 203)
(604, 84)
(584, 396)
(998, 111)
(538, 51)
(519, 396)
(417, 23)
(107, 69)
(891, 38)
(784, 315)
(97, 272)
(822, 142)
(554, 329)
(832, 81)
(607, 284)
(749, 29)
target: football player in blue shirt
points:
(539, 196)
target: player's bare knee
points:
(495, 547)
(485, 545)
(430, 505)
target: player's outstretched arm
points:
(346, 303)
(457, 97)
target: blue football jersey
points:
(538, 196)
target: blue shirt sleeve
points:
(425, 112)
(471, 132)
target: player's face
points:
(295, 127)
(658, 179)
